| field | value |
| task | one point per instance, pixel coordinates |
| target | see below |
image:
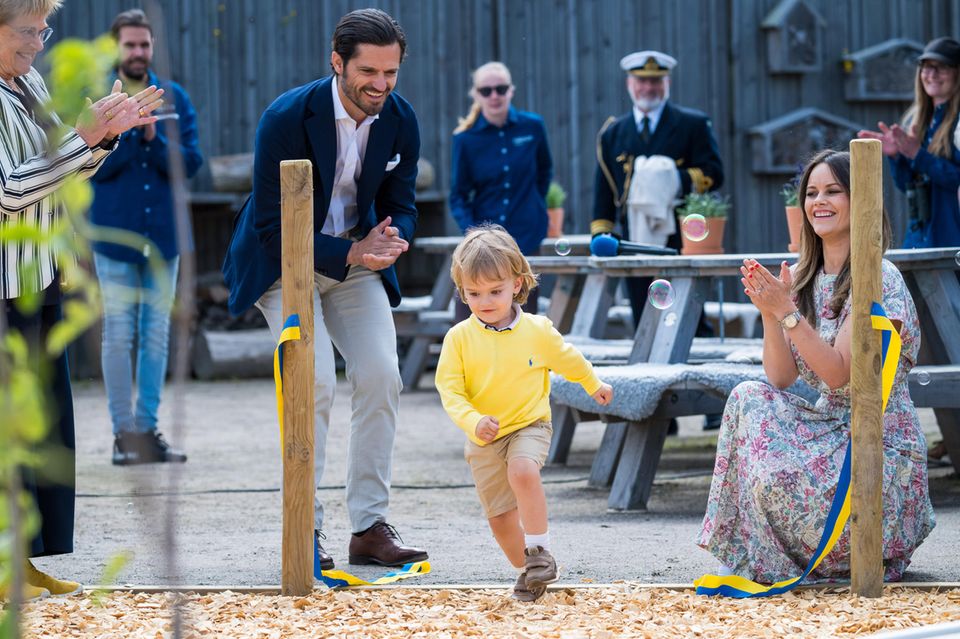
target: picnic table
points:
(630, 449)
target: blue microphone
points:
(609, 245)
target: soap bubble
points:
(562, 246)
(661, 294)
(923, 378)
(670, 319)
(694, 228)
(129, 507)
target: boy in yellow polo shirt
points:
(494, 381)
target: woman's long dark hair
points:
(811, 246)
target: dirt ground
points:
(228, 505)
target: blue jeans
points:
(135, 300)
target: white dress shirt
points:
(351, 147)
(653, 116)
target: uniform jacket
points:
(300, 125)
(682, 134)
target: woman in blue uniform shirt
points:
(501, 167)
(923, 151)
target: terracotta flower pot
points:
(795, 225)
(711, 244)
(555, 222)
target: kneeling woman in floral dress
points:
(779, 456)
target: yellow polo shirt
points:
(505, 374)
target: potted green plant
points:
(556, 196)
(703, 237)
(791, 203)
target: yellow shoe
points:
(30, 593)
(57, 587)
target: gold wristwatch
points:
(791, 320)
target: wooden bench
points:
(647, 396)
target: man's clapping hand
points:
(380, 248)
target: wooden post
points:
(866, 499)
(296, 214)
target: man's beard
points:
(646, 104)
(651, 104)
(134, 74)
(356, 96)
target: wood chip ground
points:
(565, 613)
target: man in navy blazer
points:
(364, 142)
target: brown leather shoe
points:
(324, 558)
(381, 544)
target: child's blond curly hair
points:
(489, 253)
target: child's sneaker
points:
(522, 591)
(541, 568)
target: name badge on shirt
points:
(523, 139)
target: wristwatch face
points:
(790, 320)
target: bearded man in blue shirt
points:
(132, 192)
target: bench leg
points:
(608, 455)
(949, 421)
(414, 362)
(638, 464)
(565, 421)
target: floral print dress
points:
(779, 459)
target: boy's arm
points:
(452, 388)
(566, 360)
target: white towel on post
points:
(654, 187)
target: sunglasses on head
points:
(501, 89)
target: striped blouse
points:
(30, 173)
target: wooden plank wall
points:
(235, 56)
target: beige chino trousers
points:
(354, 316)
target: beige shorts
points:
(489, 464)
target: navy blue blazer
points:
(299, 125)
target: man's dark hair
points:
(366, 26)
(131, 18)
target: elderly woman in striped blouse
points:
(32, 167)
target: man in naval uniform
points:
(654, 126)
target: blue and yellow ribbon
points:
(341, 579)
(290, 332)
(741, 587)
(332, 578)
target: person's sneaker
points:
(325, 559)
(541, 568)
(30, 593)
(130, 448)
(523, 591)
(55, 587)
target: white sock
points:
(537, 540)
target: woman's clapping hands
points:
(117, 113)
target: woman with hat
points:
(924, 150)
